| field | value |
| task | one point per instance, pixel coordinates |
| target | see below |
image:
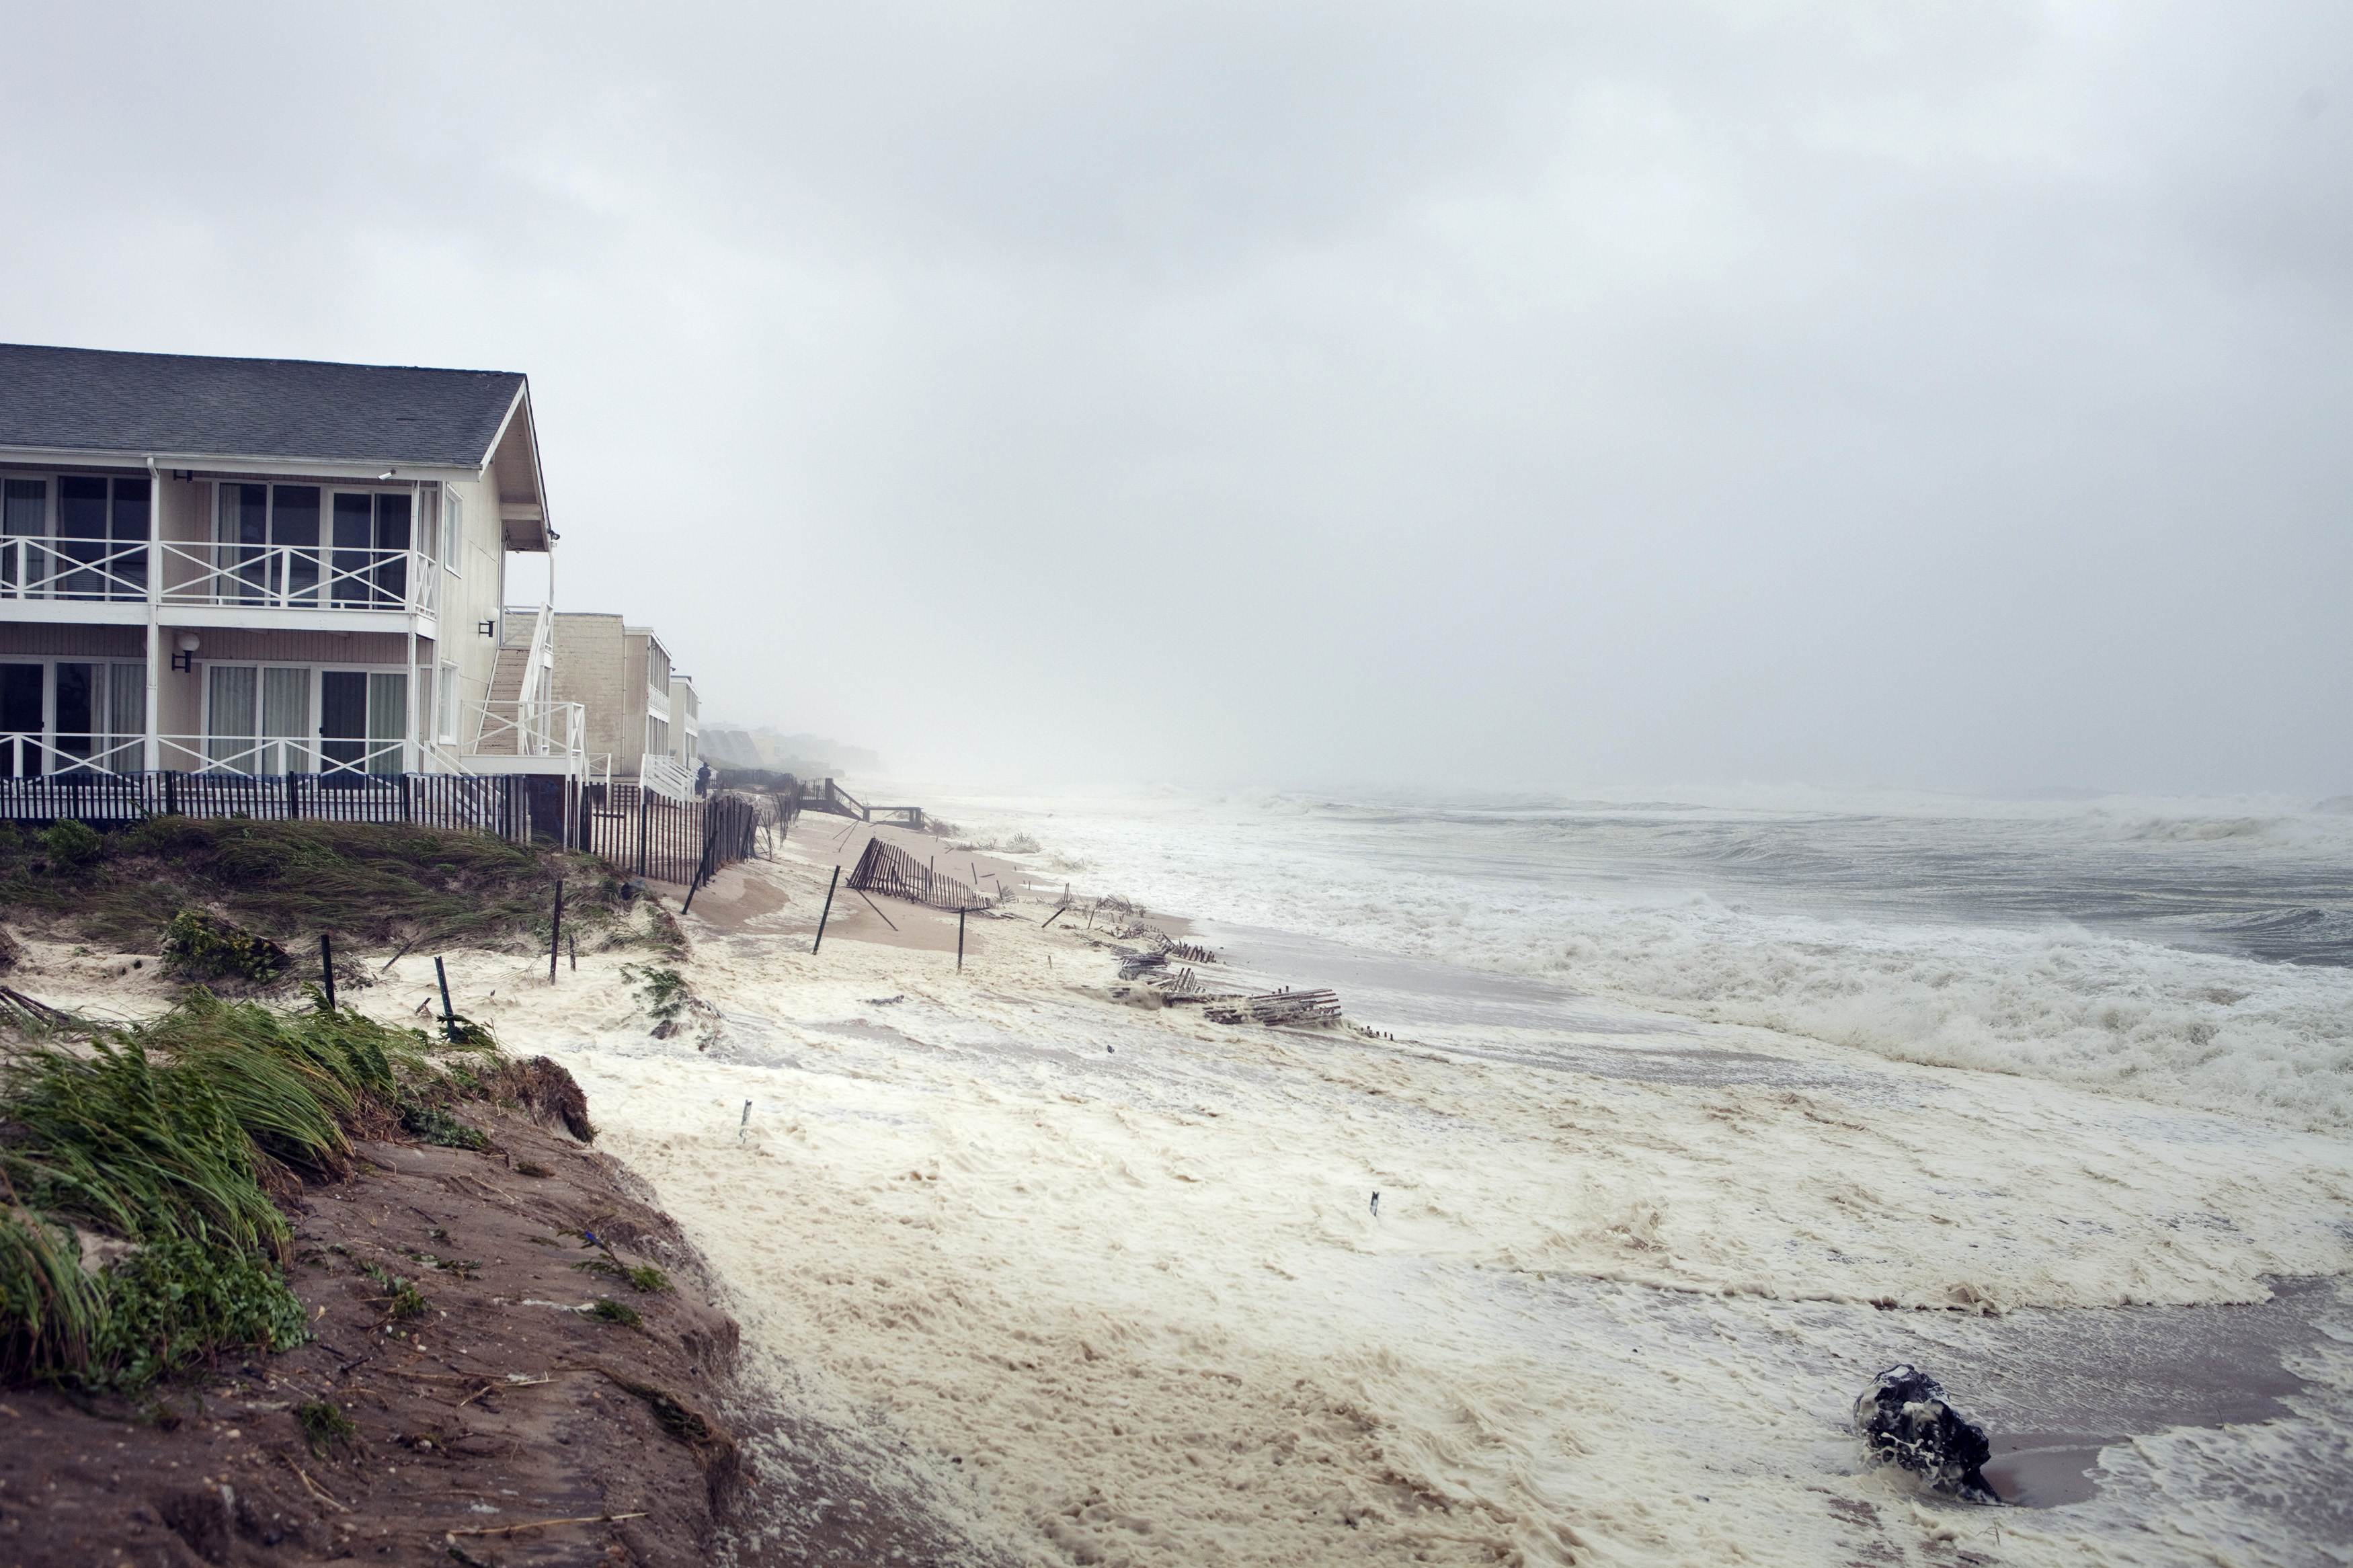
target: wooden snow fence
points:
(890, 870)
(1276, 1007)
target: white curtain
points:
(228, 725)
(286, 720)
(388, 722)
(126, 716)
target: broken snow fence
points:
(888, 870)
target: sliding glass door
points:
(362, 723)
(23, 721)
(268, 538)
(102, 530)
(100, 715)
(257, 719)
(370, 565)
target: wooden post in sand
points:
(448, 1014)
(828, 911)
(327, 967)
(959, 942)
(556, 933)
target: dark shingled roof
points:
(97, 401)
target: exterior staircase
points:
(507, 682)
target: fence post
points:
(327, 967)
(555, 933)
(827, 912)
(448, 1014)
(959, 940)
(407, 813)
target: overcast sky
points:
(1516, 395)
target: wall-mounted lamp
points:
(488, 629)
(186, 658)
(385, 475)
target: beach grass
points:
(164, 1143)
(375, 884)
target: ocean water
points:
(1685, 1118)
(2192, 952)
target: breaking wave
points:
(2194, 959)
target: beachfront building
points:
(620, 676)
(685, 726)
(271, 568)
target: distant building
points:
(620, 676)
(685, 725)
(270, 567)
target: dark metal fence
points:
(514, 806)
(668, 840)
(681, 841)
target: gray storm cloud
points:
(1519, 394)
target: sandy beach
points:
(1105, 1282)
(1097, 1280)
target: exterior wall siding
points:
(468, 589)
(591, 651)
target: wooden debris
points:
(1317, 1007)
(17, 1007)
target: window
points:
(21, 717)
(453, 530)
(294, 718)
(24, 515)
(93, 547)
(80, 714)
(230, 719)
(428, 524)
(258, 718)
(71, 716)
(271, 546)
(657, 737)
(387, 723)
(285, 719)
(268, 536)
(370, 564)
(445, 704)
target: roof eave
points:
(521, 404)
(371, 469)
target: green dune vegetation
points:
(369, 884)
(137, 1167)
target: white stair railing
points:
(529, 729)
(662, 774)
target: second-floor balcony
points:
(99, 580)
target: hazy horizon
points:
(1223, 395)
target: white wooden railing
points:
(664, 775)
(275, 754)
(25, 753)
(34, 568)
(539, 660)
(296, 576)
(245, 576)
(529, 729)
